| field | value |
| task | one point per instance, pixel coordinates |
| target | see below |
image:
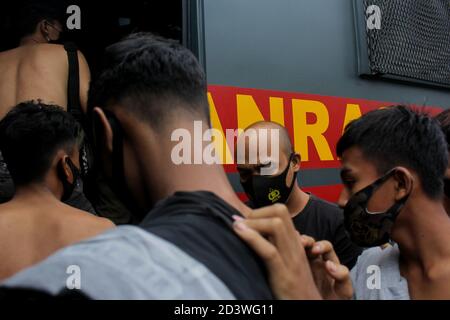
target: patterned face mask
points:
(370, 229)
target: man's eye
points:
(244, 175)
(349, 183)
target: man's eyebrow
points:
(264, 164)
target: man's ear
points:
(404, 182)
(297, 161)
(64, 170)
(102, 129)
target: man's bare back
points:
(33, 229)
(38, 71)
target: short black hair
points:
(152, 77)
(444, 120)
(31, 134)
(401, 136)
(31, 12)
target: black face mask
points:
(370, 229)
(67, 186)
(267, 190)
(447, 187)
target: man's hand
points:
(293, 272)
(290, 275)
(332, 279)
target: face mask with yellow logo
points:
(267, 190)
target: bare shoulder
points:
(49, 48)
(81, 58)
(91, 219)
(6, 208)
(46, 52)
(58, 49)
(7, 53)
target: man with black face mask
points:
(312, 216)
(40, 145)
(38, 68)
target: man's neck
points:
(35, 193)
(31, 40)
(423, 234)
(162, 177)
(297, 201)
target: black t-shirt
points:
(200, 223)
(323, 220)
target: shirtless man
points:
(40, 145)
(37, 69)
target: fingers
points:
(277, 231)
(343, 286)
(325, 249)
(307, 241)
(275, 211)
(275, 222)
(290, 274)
(266, 250)
(339, 272)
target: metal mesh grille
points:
(413, 41)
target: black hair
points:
(401, 136)
(444, 120)
(31, 134)
(31, 12)
(152, 77)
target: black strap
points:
(74, 105)
(73, 84)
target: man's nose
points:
(343, 198)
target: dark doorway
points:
(103, 23)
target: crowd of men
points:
(87, 181)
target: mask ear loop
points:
(396, 208)
(294, 178)
(369, 190)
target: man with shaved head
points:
(268, 173)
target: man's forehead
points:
(353, 161)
